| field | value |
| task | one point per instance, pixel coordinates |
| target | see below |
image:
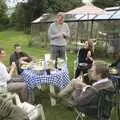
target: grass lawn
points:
(58, 112)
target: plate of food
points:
(25, 66)
(113, 71)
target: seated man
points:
(6, 79)
(87, 95)
(11, 112)
(18, 57)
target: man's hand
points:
(13, 65)
(64, 35)
(59, 35)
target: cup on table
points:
(13, 65)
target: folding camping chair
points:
(116, 82)
(102, 110)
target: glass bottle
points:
(56, 63)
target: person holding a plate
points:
(85, 59)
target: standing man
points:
(58, 33)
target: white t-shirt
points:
(4, 76)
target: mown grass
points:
(7, 39)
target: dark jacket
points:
(15, 58)
(11, 112)
(90, 96)
(82, 57)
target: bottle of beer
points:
(56, 63)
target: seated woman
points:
(85, 59)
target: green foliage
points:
(25, 13)
(3, 17)
(58, 112)
(106, 3)
(101, 50)
(62, 5)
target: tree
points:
(18, 17)
(3, 15)
(62, 5)
(25, 13)
(106, 3)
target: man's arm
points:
(52, 33)
(12, 59)
(67, 33)
(87, 96)
(114, 64)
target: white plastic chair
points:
(33, 111)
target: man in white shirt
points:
(6, 79)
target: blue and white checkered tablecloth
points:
(58, 78)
